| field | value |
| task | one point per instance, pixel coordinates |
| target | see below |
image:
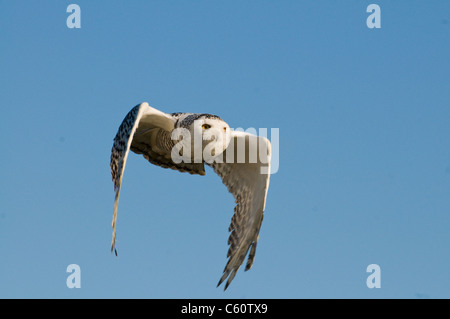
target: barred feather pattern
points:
(120, 144)
(119, 155)
(244, 229)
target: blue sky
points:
(364, 122)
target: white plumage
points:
(242, 160)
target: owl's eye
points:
(206, 126)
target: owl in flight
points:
(186, 142)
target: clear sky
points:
(364, 122)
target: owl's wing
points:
(247, 178)
(139, 132)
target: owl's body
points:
(179, 141)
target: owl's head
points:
(213, 133)
(200, 138)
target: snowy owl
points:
(186, 142)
